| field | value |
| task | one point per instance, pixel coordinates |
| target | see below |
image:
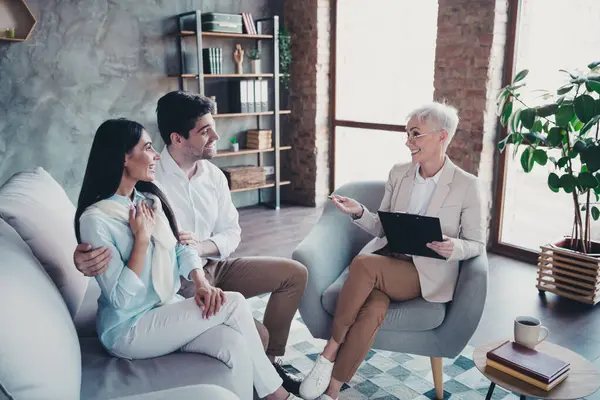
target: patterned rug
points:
(385, 375)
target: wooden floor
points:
(511, 289)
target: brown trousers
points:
(285, 279)
(372, 282)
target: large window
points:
(384, 54)
(549, 37)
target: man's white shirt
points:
(201, 204)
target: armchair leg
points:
(438, 376)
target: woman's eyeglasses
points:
(413, 136)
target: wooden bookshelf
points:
(226, 35)
(233, 115)
(269, 184)
(226, 153)
(189, 35)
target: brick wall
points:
(468, 74)
(308, 167)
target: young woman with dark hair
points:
(140, 314)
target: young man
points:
(200, 196)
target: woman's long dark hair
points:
(113, 140)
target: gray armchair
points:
(435, 330)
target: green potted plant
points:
(563, 136)
(235, 146)
(254, 56)
(285, 60)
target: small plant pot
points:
(235, 147)
(255, 65)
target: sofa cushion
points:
(107, 377)
(39, 350)
(411, 315)
(85, 320)
(38, 208)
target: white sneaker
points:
(292, 397)
(326, 397)
(317, 380)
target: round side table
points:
(583, 379)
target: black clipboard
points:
(410, 233)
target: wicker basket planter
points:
(569, 273)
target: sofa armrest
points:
(466, 308)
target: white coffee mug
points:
(527, 331)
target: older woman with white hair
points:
(429, 185)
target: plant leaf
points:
(593, 64)
(591, 157)
(587, 180)
(553, 182)
(506, 113)
(527, 160)
(585, 107)
(570, 74)
(555, 136)
(515, 120)
(579, 146)
(562, 162)
(564, 89)
(589, 124)
(540, 156)
(537, 127)
(568, 183)
(547, 110)
(595, 213)
(564, 115)
(595, 86)
(528, 117)
(521, 75)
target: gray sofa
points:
(418, 327)
(48, 344)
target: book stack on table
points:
(529, 365)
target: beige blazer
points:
(456, 200)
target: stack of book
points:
(531, 366)
(258, 139)
(212, 60)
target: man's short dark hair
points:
(179, 111)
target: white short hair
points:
(441, 115)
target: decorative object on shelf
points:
(214, 99)
(235, 146)
(254, 56)
(17, 20)
(244, 176)
(238, 56)
(259, 139)
(568, 124)
(219, 22)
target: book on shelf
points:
(536, 368)
(249, 96)
(238, 96)
(249, 24)
(212, 60)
